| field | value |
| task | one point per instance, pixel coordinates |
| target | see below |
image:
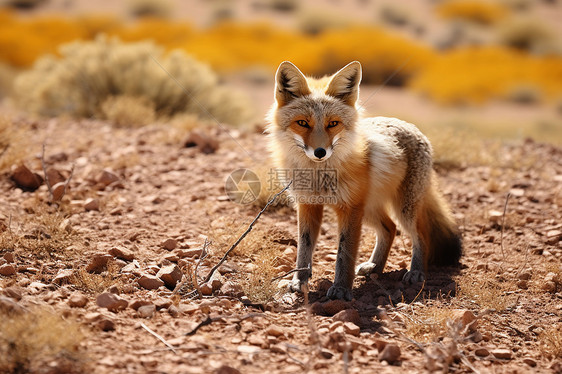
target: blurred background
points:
(461, 70)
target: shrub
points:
(31, 341)
(128, 111)
(477, 11)
(89, 73)
(315, 21)
(528, 34)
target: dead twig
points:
(290, 272)
(172, 348)
(209, 320)
(223, 259)
(503, 223)
(68, 180)
(47, 182)
(194, 279)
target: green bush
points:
(89, 73)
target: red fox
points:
(384, 169)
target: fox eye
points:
(303, 123)
(333, 124)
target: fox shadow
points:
(374, 294)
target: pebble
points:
(122, 253)
(150, 282)
(529, 361)
(63, 276)
(189, 253)
(7, 270)
(206, 289)
(137, 303)
(98, 263)
(170, 244)
(9, 257)
(111, 302)
(390, 353)
(481, 352)
(502, 353)
(204, 143)
(77, 300)
(348, 315)
(92, 204)
(174, 311)
(332, 307)
(225, 369)
(146, 311)
(465, 318)
(105, 324)
(13, 292)
(26, 179)
(274, 330)
(351, 328)
(107, 177)
(170, 275)
(59, 190)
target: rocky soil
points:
(117, 248)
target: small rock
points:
(481, 352)
(98, 263)
(553, 236)
(332, 307)
(146, 311)
(274, 330)
(206, 289)
(63, 276)
(189, 253)
(225, 369)
(351, 328)
(204, 143)
(162, 303)
(233, 289)
(13, 292)
(465, 318)
(348, 315)
(107, 177)
(54, 176)
(105, 324)
(495, 216)
(59, 190)
(7, 270)
(77, 300)
(122, 253)
(504, 354)
(26, 179)
(111, 302)
(9, 257)
(150, 282)
(170, 274)
(174, 311)
(522, 284)
(92, 204)
(525, 275)
(390, 353)
(326, 353)
(137, 303)
(170, 244)
(216, 281)
(529, 361)
(549, 286)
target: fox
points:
(384, 175)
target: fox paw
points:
(297, 285)
(414, 276)
(365, 269)
(338, 292)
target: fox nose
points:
(320, 152)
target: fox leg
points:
(350, 233)
(310, 218)
(385, 230)
(417, 266)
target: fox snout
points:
(316, 154)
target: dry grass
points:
(259, 287)
(45, 234)
(33, 341)
(550, 341)
(486, 291)
(128, 111)
(13, 147)
(426, 323)
(96, 283)
(89, 73)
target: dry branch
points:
(159, 338)
(250, 227)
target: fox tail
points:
(438, 230)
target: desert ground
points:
(108, 233)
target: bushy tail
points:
(438, 230)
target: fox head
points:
(314, 119)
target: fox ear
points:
(344, 85)
(290, 83)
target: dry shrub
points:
(259, 287)
(45, 234)
(528, 34)
(128, 111)
(477, 11)
(12, 144)
(485, 291)
(97, 283)
(493, 73)
(316, 21)
(150, 8)
(39, 341)
(550, 341)
(88, 73)
(7, 77)
(426, 323)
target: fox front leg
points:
(350, 233)
(310, 218)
